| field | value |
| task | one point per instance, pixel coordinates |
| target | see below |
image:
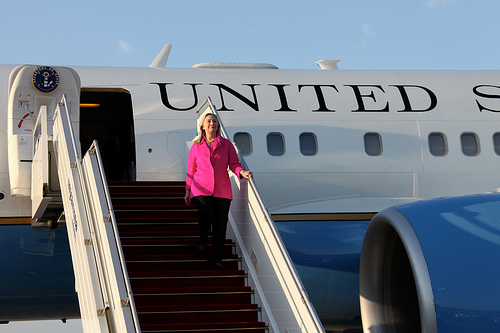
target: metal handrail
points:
(112, 220)
(88, 174)
(77, 164)
(75, 201)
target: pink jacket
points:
(207, 173)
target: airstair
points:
(175, 290)
(133, 243)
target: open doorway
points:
(106, 116)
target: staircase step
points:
(185, 274)
(151, 249)
(167, 241)
(156, 226)
(159, 234)
(124, 219)
(149, 188)
(188, 281)
(199, 316)
(242, 327)
(197, 307)
(183, 212)
(131, 201)
(173, 257)
(177, 264)
(244, 295)
(146, 205)
(196, 290)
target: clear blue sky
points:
(383, 34)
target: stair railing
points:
(122, 304)
(106, 303)
(264, 255)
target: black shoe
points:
(218, 266)
(201, 249)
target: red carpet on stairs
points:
(174, 289)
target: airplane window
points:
(275, 144)
(244, 143)
(496, 143)
(437, 144)
(373, 144)
(470, 144)
(308, 144)
(176, 144)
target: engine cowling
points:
(433, 266)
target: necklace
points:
(209, 142)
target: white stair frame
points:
(102, 284)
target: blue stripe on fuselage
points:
(36, 279)
(326, 255)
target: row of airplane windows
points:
(308, 143)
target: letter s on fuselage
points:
(478, 91)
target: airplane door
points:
(30, 88)
(106, 115)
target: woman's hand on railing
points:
(246, 174)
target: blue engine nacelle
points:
(433, 266)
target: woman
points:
(208, 184)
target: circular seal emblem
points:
(45, 79)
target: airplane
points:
(329, 149)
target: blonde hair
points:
(201, 131)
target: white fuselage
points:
(400, 108)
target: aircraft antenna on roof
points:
(161, 59)
(328, 64)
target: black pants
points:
(213, 212)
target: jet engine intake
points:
(433, 266)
